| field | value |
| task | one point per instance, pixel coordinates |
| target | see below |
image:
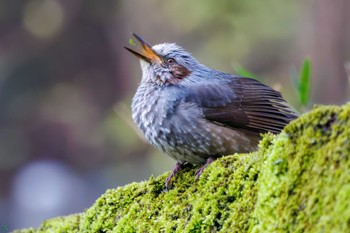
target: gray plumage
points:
(193, 113)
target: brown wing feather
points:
(254, 106)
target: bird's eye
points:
(171, 61)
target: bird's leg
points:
(178, 167)
(201, 169)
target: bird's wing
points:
(243, 103)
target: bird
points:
(196, 114)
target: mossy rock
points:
(298, 181)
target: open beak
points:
(147, 53)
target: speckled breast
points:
(179, 128)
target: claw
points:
(178, 167)
(201, 169)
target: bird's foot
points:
(201, 169)
(178, 167)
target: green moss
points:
(305, 183)
(218, 201)
(299, 181)
(67, 224)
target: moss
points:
(59, 224)
(299, 181)
(210, 204)
(305, 183)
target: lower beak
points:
(147, 53)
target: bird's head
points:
(164, 64)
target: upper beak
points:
(147, 53)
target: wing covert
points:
(243, 103)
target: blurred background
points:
(66, 83)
